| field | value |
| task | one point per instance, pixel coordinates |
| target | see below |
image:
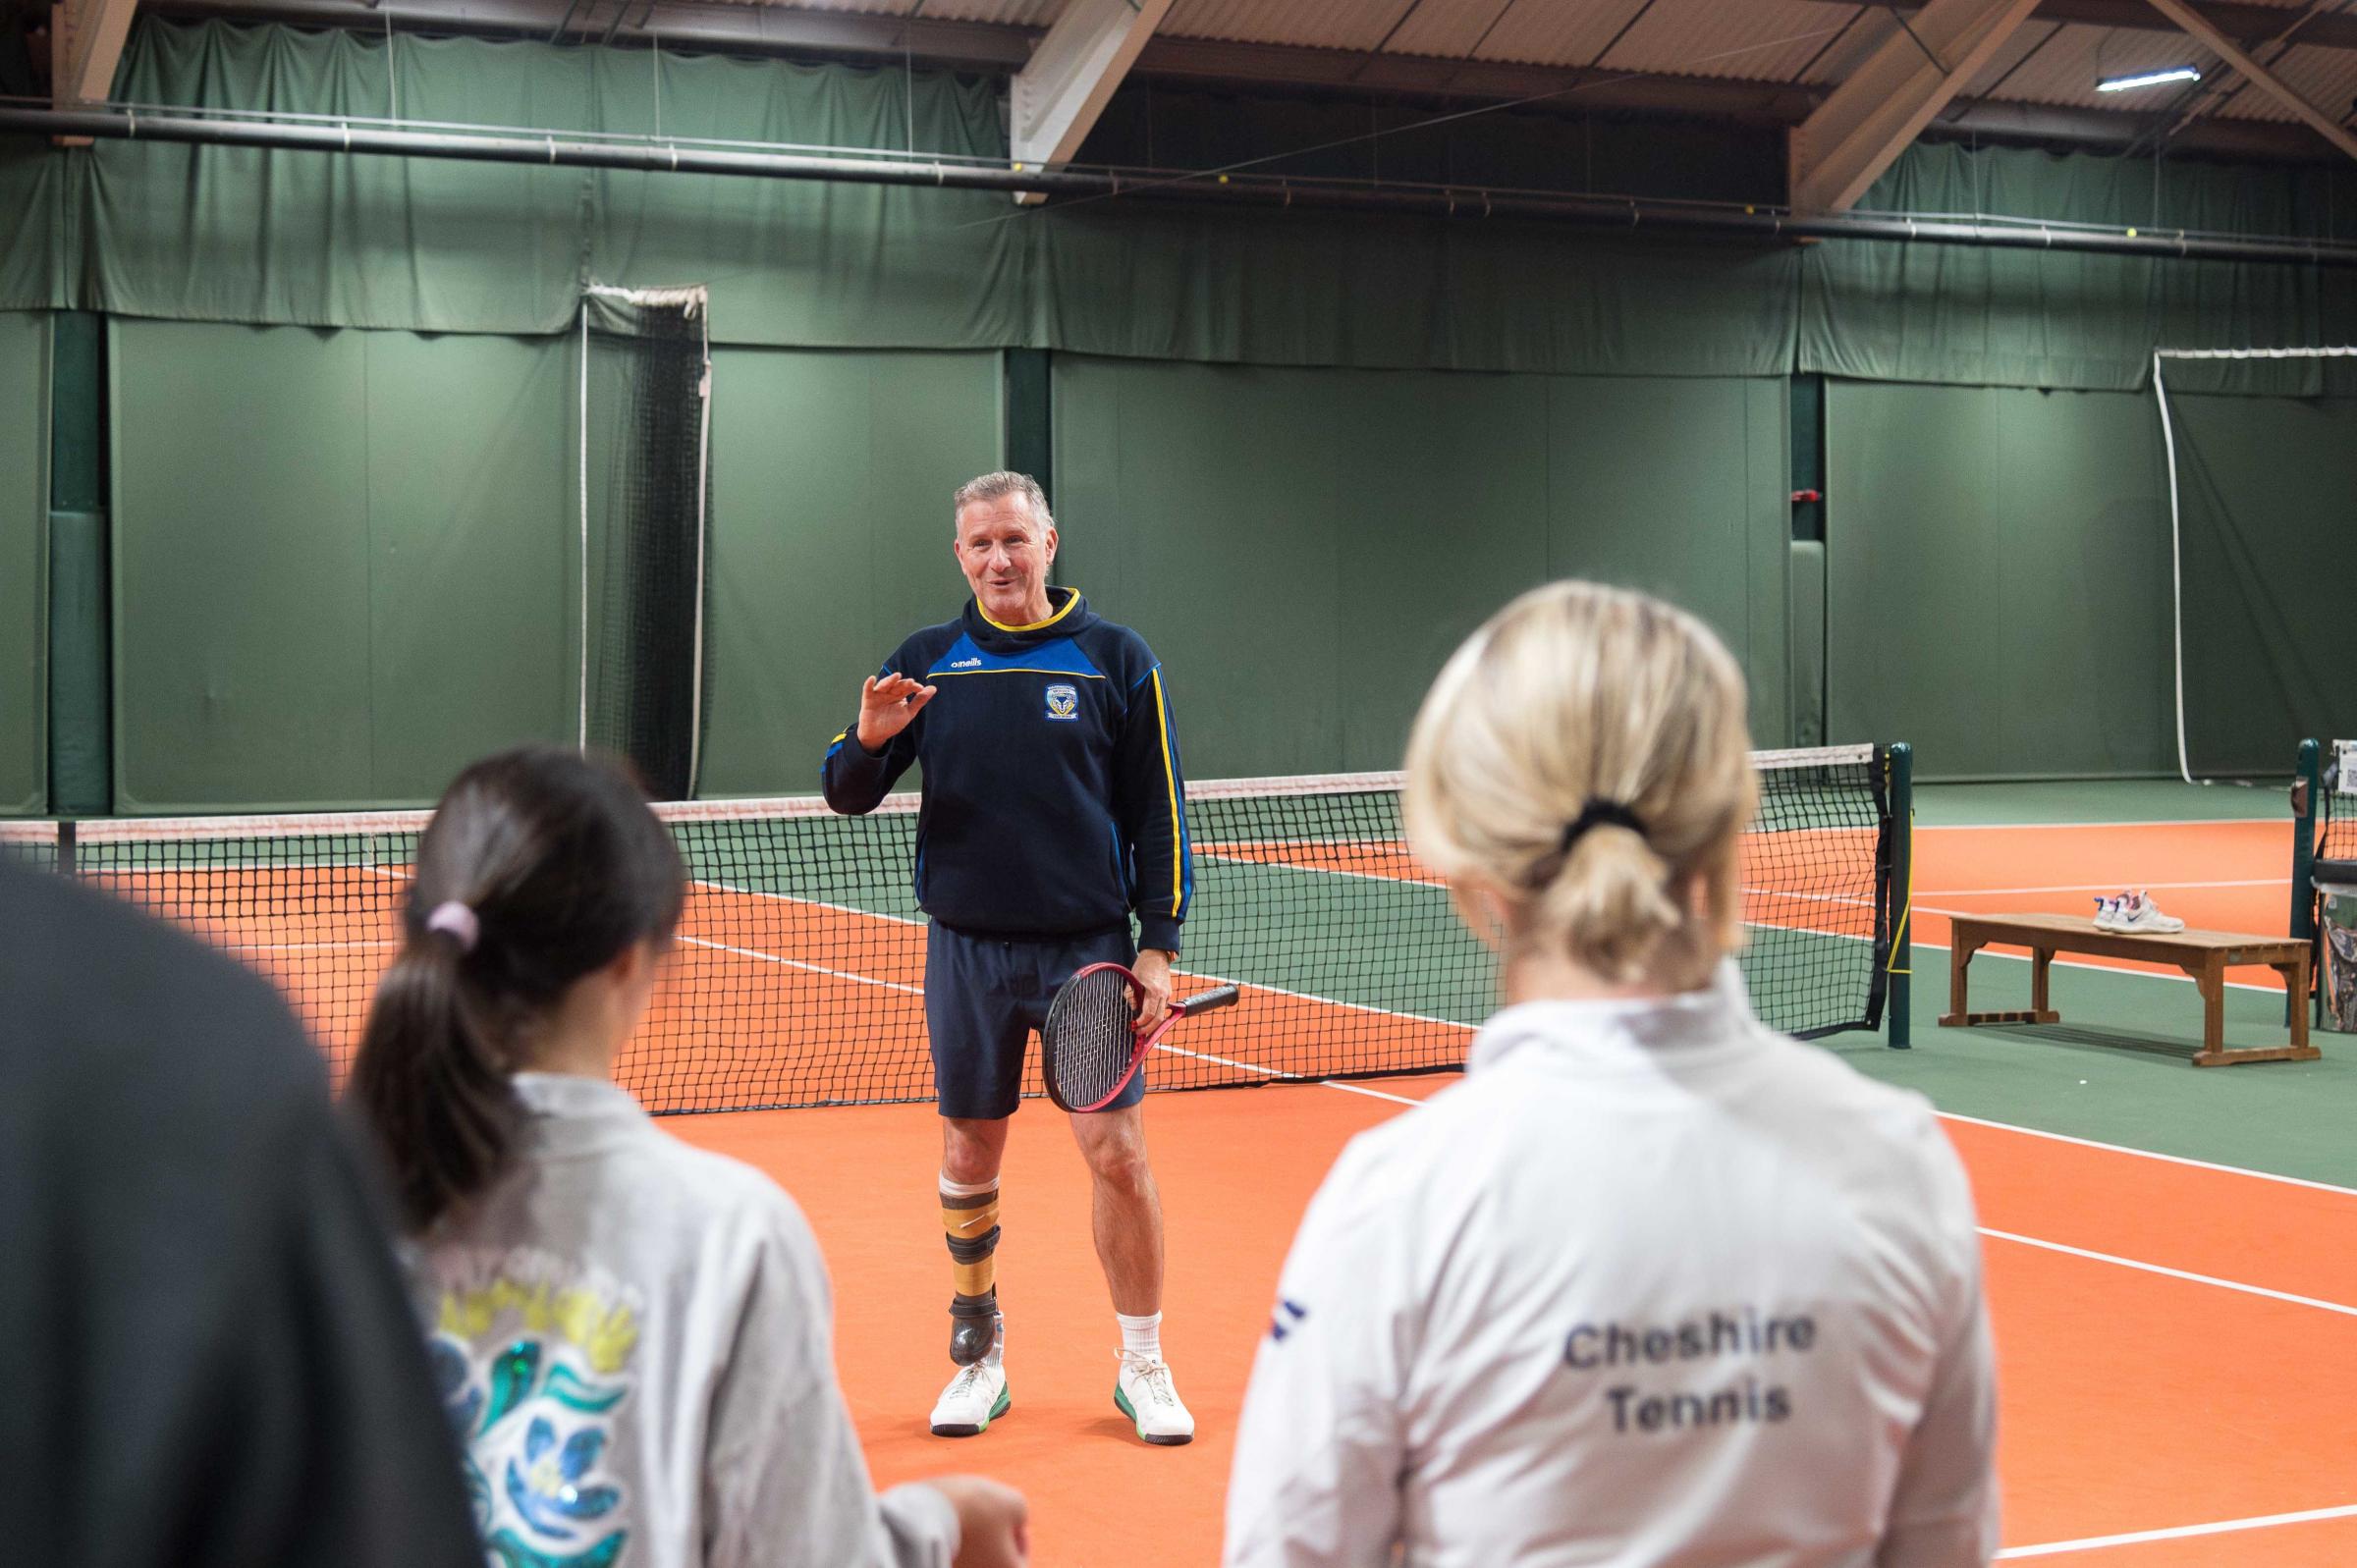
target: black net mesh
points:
(2336, 804)
(648, 515)
(799, 978)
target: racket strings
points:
(1092, 1035)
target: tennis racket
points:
(1090, 1048)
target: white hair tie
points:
(456, 920)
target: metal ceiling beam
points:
(2260, 77)
(1057, 95)
(1880, 107)
(87, 37)
(2245, 24)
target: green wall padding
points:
(23, 570)
(2268, 494)
(1997, 587)
(832, 476)
(1303, 549)
(1808, 644)
(344, 562)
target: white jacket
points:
(635, 1340)
(1652, 1286)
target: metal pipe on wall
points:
(1638, 217)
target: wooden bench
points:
(2206, 956)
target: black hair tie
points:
(1600, 813)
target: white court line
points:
(2001, 1235)
(2179, 1532)
(1275, 1077)
(2174, 1274)
(2098, 886)
(797, 963)
(2149, 1153)
(1922, 826)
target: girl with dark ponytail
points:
(632, 1337)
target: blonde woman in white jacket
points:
(633, 1338)
(1654, 1285)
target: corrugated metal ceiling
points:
(1771, 41)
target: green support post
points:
(2307, 784)
(1898, 999)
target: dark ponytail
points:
(541, 866)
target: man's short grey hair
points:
(1004, 482)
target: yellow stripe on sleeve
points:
(1170, 780)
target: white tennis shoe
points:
(2138, 915)
(1145, 1394)
(977, 1397)
(2106, 913)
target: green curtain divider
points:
(81, 741)
(2266, 490)
(184, 233)
(1998, 583)
(2023, 318)
(832, 474)
(344, 562)
(1303, 549)
(24, 348)
(1027, 417)
(81, 759)
(420, 244)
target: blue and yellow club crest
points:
(1064, 702)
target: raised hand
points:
(886, 704)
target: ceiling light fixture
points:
(2147, 79)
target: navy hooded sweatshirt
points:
(1054, 804)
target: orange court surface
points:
(2177, 1339)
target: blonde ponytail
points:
(1582, 759)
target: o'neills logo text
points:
(1744, 1335)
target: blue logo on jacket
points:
(1064, 702)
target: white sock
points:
(1141, 1336)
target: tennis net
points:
(2336, 804)
(801, 964)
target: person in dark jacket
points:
(208, 1352)
(1054, 812)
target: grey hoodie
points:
(636, 1341)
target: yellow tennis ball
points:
(2131, 234)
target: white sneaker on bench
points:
(2139, 916)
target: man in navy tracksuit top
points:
(1054, 810)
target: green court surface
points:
(1946, 805)
(2115, 1069)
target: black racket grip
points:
(1206, 1000)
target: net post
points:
(2306, 786)
(1899, 1000)
(65, 847)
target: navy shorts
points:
(984, 998)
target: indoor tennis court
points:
(399, 383)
